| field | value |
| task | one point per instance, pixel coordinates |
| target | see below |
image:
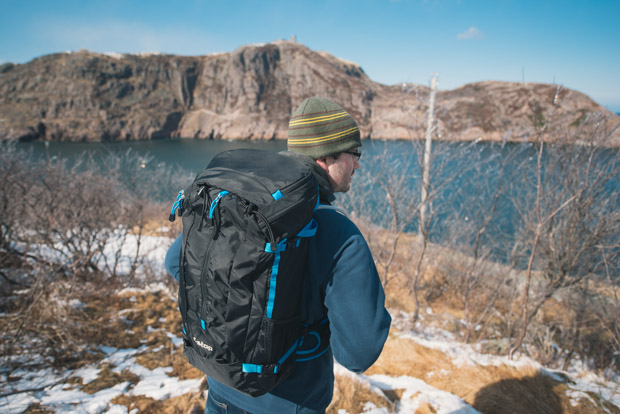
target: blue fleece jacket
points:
(342, 283)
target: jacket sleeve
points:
(355, 304)
(173, 256)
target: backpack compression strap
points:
(308, 231)
(273, 368)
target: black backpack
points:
(246, 222)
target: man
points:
(341, 281)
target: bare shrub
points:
(570, 227)
(72, 235)
(585, 324)
(474, 230)
(386, 195)
(522, 228)
(15, 180)
(57, 327)
(70, 216)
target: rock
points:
(250, 94)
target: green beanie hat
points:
(320, 128)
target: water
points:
(475, 186)
(186, 154)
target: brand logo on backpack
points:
(202, 344)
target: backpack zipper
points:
(204, 292)
(252, 209)
(293, 186)
(177, 206)
(286, 211)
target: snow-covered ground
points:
(50, 389)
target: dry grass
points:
(67, 324)
(169, 357)
(156, 222)
(406, 357)
(108, 379)
(491, 389)
(38, 409)
(151, 315)
(352, 395)
(183, 404)
(138, 318)
(437, 284)
(562, 330)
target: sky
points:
(573, 43)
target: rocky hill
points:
(250, 93)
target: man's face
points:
(340, 169)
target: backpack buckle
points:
(261, 369)
(271, 369)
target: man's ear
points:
(322, 163)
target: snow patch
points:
(114, 55)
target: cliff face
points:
(250, 93)
(86, 96)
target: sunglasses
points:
(356, 154)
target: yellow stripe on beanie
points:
(306, 121)
(303, 141)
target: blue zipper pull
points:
(215, 202)
(177, 205)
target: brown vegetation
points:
(352, 395)
(69, 302)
